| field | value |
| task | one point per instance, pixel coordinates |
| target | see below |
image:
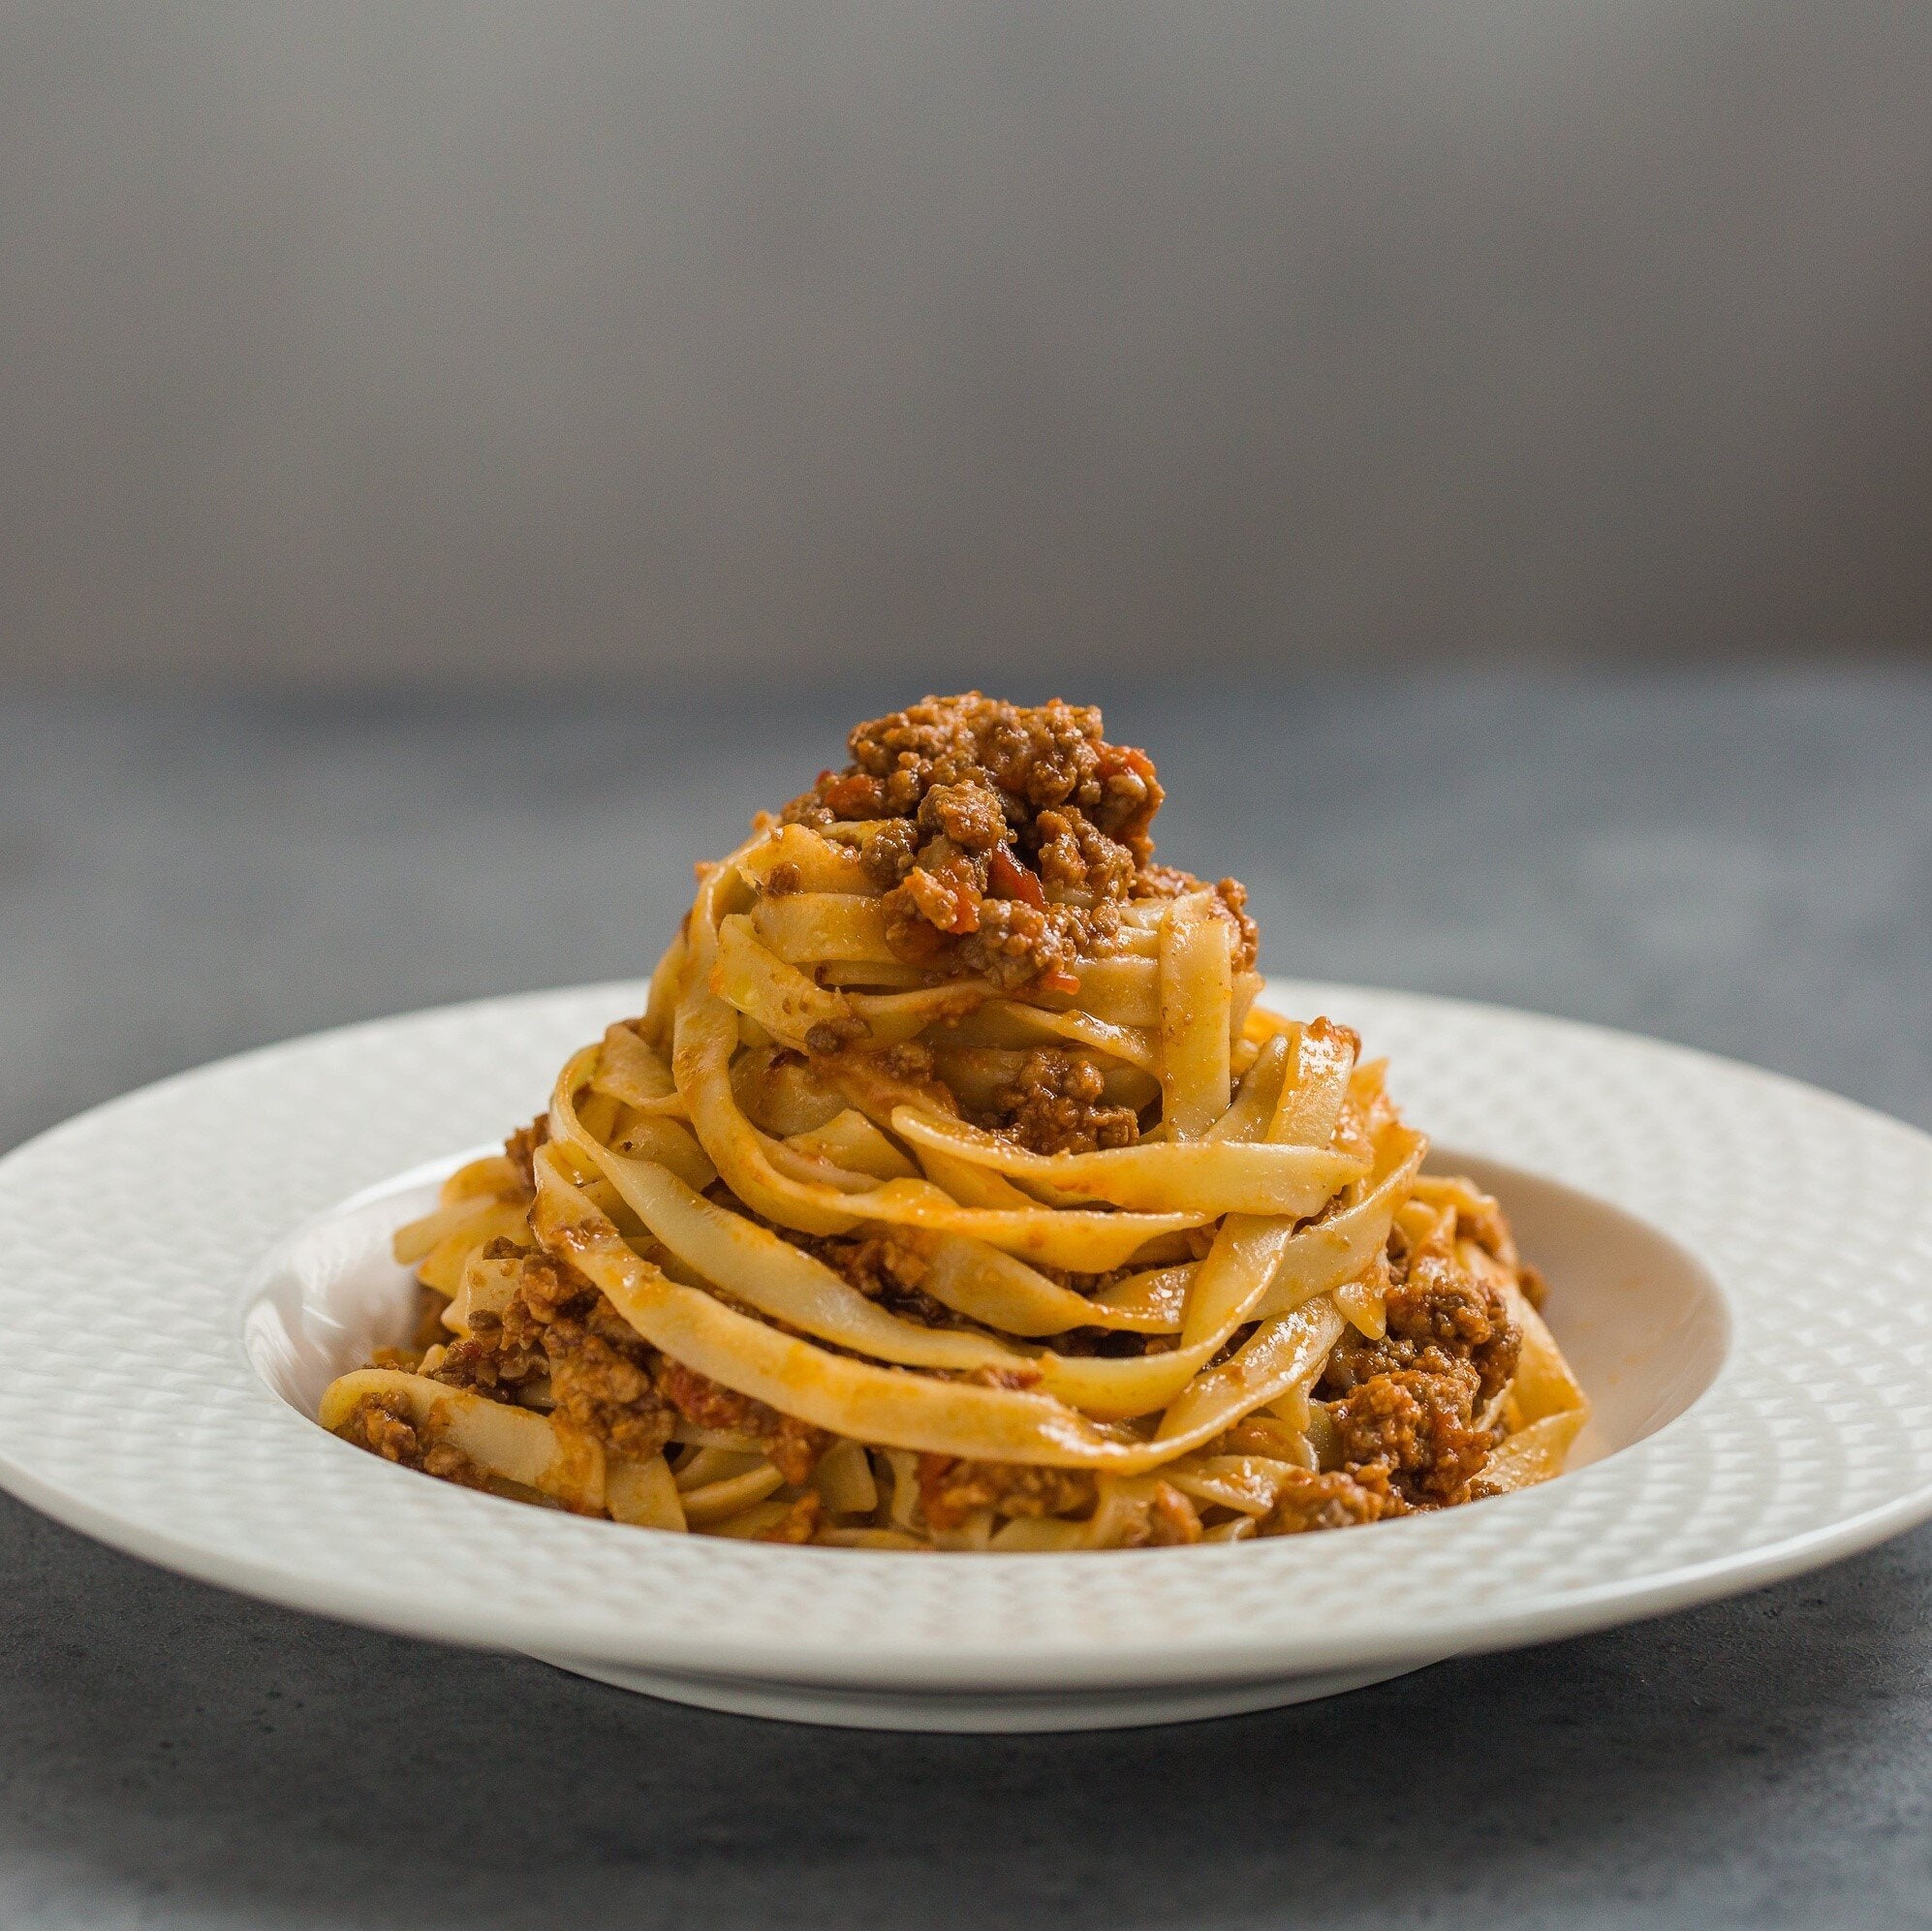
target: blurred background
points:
(477, 345)
(456, 461)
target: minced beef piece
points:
(969, 815)
(1163, 882)
(605, 1377)
(387, 1430)
(1418, 1428)
(794, 1447)
(882, 1268)
(1438, 1316)
(480, 1362)
(603, 1383)
(1006, 837)
(1171, 1518)
(878, 1266)
(600, 1369)
(1330, 1499)
(890, 852)
(799, 1523)
(1234, 897)
(1536, 1290)
(1408, 1403)
(1078, 862)
(951, 1489)
(1031, 757)
(1057, 1104)
(503, 1351)
(521, 1149)
(828, 1035)
(1017, 945)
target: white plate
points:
(1740, 1268)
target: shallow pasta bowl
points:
(1740, 1270)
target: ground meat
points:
(603, 1384)
(946, 889)
(1234, 897)
(1439, 1317)
(878, 1266)
(1047, 754)
(951, 1489)
(1171, 1518)
(799, 1523)
(890, 852)
(1407, 1405)
(1057, 1105)
(382, 1428)
(1332, 1499)
(826, 1036)
(971, 816)
(1078, 862)
(1536, 1290)
(1418, 1429)
(385, 1427)
(1017, 945)
(882, 1268)
(605, 1377)
(557, 1323)
(520, 1148)
(794, 1447)
(1005, 837)
(1163, 882)
(499, 1353)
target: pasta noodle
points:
(953, 1192)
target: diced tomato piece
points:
(1010, 878)
(855, 796)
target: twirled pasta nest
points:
(953, 1190)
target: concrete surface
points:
(1743, 863)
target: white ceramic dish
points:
(1741, 1270)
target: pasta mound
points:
(953, 1191)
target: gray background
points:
(970, 337)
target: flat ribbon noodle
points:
(1195, 1014)
(818, 926)
(988, 1286)
(538, 1451)
(1319, 1257)
(1249, 1250)
(896, 1407)
(769, 1273)
(1207, 1177)
(707, 1033)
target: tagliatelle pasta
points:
(953, 1192)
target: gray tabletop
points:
(1741, 861)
